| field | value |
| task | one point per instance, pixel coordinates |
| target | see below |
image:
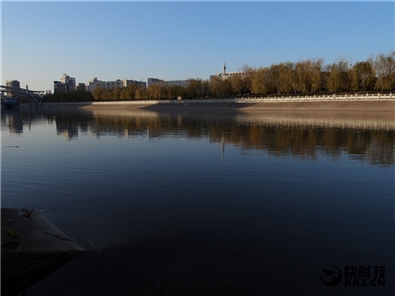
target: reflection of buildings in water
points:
(95, 135)
(68, 134)
(223, 146)
(67, 129)
(300, 134)
(13, 119)
(125, 123)
(16, 125)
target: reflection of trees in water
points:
(375, 146)
(381, 149)
(278, 136)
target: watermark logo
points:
(354, 276)
(331, 275)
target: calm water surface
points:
(206, 204)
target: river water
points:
(208, 203)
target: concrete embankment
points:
(31, 248)
(384, 106)
(366, 106)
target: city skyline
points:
(181, 40)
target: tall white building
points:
(65, 84)
(69, 82)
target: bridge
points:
(18, 95)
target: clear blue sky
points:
(181, 40)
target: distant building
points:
(152, 81)
(14, 84)
(65, 84)
(183, 83)
(59, 87)
(81, 86)
(93, 83)
(140, 83)
(69, 82)
(225, 75)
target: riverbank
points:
(344, 115)
(368, 106)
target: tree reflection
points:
(367, 138)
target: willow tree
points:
(272, 79)
(238, 84)
(194, 88)
(129, 92)
(316, 75)
(385, 69)
(220, 87)
(338, 78)
(97, 93)
(215, 86)
(141, 93)
(362, 76)
(309, 76)
(206, 88)
(154, 91)
(115, 94)
(287, 78)
(174, 91)
(257, 81)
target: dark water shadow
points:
(12, 285)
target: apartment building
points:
(14, 84)
(93, 83)
(183, 83)
(65, 84)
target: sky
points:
(41, 41)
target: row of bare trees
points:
(304, 77)
(313, 76)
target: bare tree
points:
(362, 76)
(385, 70)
